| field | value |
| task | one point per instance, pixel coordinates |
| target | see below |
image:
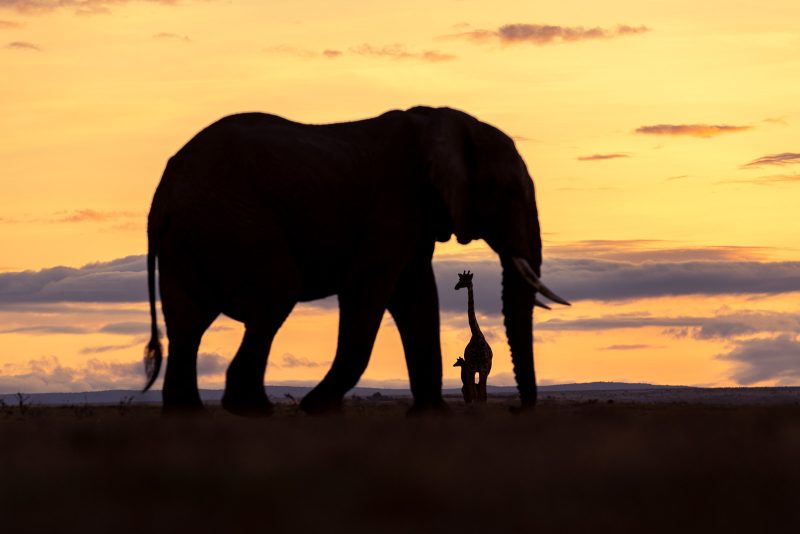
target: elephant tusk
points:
(527, 273)
(537, 302)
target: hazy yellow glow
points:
(89, 120)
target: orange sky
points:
(659, 135)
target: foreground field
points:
(569, 467)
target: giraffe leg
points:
(482, 378)
(244, 380)
(360, 313)
(415, 308)
(473, 390)
(465, 389)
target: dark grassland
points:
(568, 467)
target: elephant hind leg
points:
(185, 329)
(244, 380)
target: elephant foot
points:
(318, 404)
(247, 406)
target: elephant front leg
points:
(360, 314)
(415, 309)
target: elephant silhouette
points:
(256, 213)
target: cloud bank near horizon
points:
(47, 374)
(124, 281)
(775, 358)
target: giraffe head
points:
(464, 280)
(460, 362)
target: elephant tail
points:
(153, 352)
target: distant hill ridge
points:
(279, 392)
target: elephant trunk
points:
(518, 300)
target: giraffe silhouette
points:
(478, 353)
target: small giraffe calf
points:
(467, 380)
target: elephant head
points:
(488, 194)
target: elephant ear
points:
(451, 167)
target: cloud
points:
(777, 120)
(542, 34)
(126, 328)
(120, 280)
(84, 215)
(757, 359)
(106, 348)
(9, 24)
(600, 157)
(172, 37)
(398, 51)
(575, 278)
(692, 130)
(46, 330)
(767, 180)
(48, 375)
(641, 250)
(290, 360)
(786, 158)
(89, 215)
(211, 364)
(301, 52)
(583, 279)
(68, 308)
(776, 358)
(80, 7)
(611, 280)
(24, 45)
(729, 326)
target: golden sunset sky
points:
(663, 138)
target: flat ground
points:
(571, 466)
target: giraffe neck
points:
(473, 322)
